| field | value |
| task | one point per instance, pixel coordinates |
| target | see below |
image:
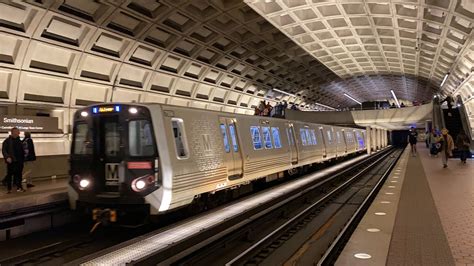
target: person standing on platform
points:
(463, 143)
(447, 146)
(433, 141)
(412, 139)
(14, 156)
(30, 157)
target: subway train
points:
(146, 159)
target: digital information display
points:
(106, 109)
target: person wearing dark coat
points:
(463, 143)
(12, 150)
(30, 157)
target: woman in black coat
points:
(30, 156)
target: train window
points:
(112, 139)
(180, 138)
(276, 137)
(329, 136)
(309, 141)
(267, 138)
(83, 140)
(233, 137)
(313, 136)
(224, 137)
(303, 136)
(256, 139)
(140, 138)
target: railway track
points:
(253, 236)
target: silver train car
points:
(153, 158)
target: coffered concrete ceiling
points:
(229, 54)
(377, 45)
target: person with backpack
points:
(30, 157)
(14, 156)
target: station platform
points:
(423, 215)
(44, 192)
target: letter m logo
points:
(112, 173)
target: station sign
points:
(34, 124)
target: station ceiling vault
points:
(229, 54)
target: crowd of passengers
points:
(265, 109)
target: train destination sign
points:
(36, 124)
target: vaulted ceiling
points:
(374, 46)
(230, 54)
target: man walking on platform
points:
(412, 139)
(14, 156)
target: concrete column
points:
(367, 140)
(374, 139)
(377, 138)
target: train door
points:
(109, 150)
(233, 154)
(290, 133)
(323, 137)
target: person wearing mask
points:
(412, 139)
(447, 146)
(463, 143)
(14, 156)
(30, 157)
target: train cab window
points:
(276, 137)
(233, 137)
(112, 139)
(256, 139)
(83, 143)
(225, 138)
(329, 137)
(140, 138)
(303, 136)
(309, 141)
(267, 138)
(180, 138)
(313, 137)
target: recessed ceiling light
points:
(391, 186)
(385, 202)
(373, 230)
(380, 213)
(389, 193)
(363, 256)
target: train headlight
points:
(84, 114)
(84, 183)
(133, 110)
(141, 183)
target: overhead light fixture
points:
(350, 97)
(284, 92)
(395, 97)
(325, 106)
(444, 80)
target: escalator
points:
(453, 122)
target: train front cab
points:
(114, 161)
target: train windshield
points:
(83, 141)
